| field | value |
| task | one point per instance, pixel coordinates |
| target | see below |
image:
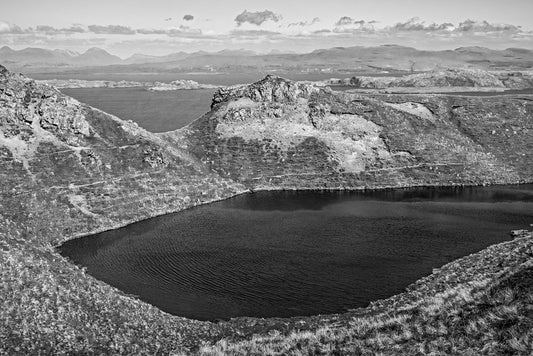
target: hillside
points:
(69, 170)
(277, 133)
(88, 167)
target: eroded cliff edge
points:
(68, 169)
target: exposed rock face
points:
(270, 89)
(281, 134)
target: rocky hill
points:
(68, 169)
(281, 134)
(152, 86)
(181, 85)
(445, 78)
(87, 169)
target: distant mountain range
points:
(387, 58)
(56, 58)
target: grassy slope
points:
(68, 169)
(480, 304)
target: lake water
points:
(154, 111)
(299, 253)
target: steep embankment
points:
(68, 169)
(281, 134)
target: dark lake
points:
(299, 253)
(154, 111)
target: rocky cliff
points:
(68, 169)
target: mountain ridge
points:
(393, 57)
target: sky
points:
(160, 27)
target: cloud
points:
(184, 31)
(188, 17)
(256, 18)
(7, 28)
(305, 23)
(484, 26)
(188, 30)
(345, 20)
(465, 27)
(415, 24)
(168, 19)
(112, 30)
(49, 30)
(147, 31)
(73, 29)
(254, 33)
(325, 30)
(349, 25)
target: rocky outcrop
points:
(180, 85)
(446, 78)
(280, 134)
(79, 83)
(152, 86)
(270, 89)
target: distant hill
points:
(35, 56)
(96, 57)
(40, 57)
(380, 59)
(139, 58)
